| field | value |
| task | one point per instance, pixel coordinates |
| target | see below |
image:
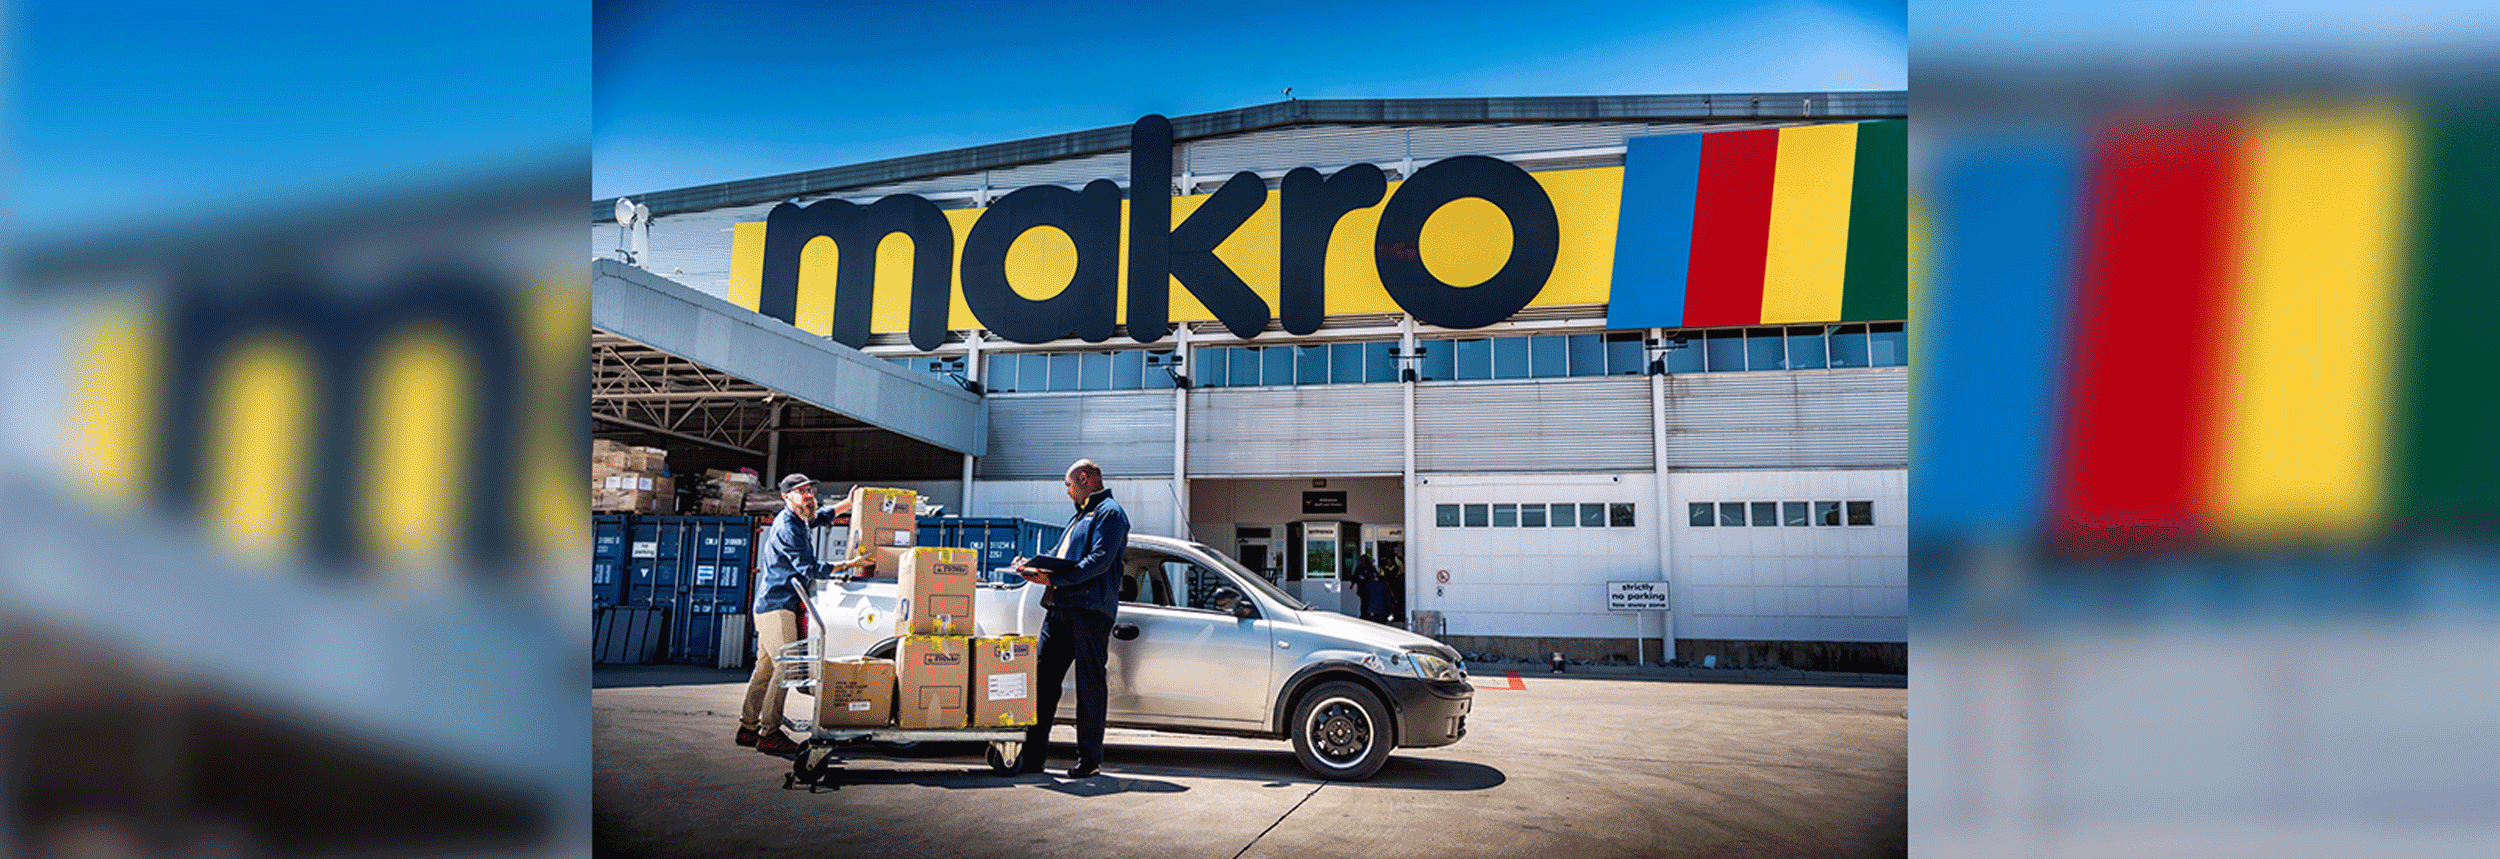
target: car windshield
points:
(1243, 573)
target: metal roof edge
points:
(1836, 106)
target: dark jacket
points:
(788, 550)
(1097, 537)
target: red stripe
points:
(1731, 228)
(2137, 452)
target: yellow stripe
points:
(259, 443)
(109, 428)
(1809, 249)
(2305, 399)
(417, 420)
(746, 267)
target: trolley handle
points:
(805, 585)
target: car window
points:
(1155, 578)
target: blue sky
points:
(121, 114)
(691, 93)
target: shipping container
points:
(607, 561)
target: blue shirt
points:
(1097, 537)
(788, 551)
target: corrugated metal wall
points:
(1035, 437)
(1284, 432)
(1778, 420)
(1553, 425)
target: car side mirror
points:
(1229, 600)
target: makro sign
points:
(1160, 252)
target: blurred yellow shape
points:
(112, 426)
(2305, 395)
(259, 448)
(556, 460)
(1809, 241)
(419, 468)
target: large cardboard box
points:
(933, 678)
(936, 588)
(1005, 674)
(882, 525)
(855, 692)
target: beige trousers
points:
(773, 630)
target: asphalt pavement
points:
(1578, 764)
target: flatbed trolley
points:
(795, 667)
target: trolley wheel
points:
(810, 766)
(1005, 756)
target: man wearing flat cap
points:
(787, 553)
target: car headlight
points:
(1430, 667)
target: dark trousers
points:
(1081, 638)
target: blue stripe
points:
(1654, 235)
(1996, 316)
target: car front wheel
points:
(1341, 731)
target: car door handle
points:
(1124, 631)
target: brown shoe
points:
(776, 742)
(748, 736)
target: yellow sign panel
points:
(1465, 241)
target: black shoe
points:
(748, 736)
(1085, 770)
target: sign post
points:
(1641, 597)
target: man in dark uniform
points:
(1081, 604)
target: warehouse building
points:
(1533, 347)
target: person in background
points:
(1080, 605)
(1367, 587)
(1393, 579)
(787, 553)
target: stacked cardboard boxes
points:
(882, 524)
(630, 479)
(936, 588)
(933, 675)
(855, 692)
(1003, 681)
(724, 493)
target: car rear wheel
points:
(1341, 731)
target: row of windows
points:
(1532, 515)
(1538, 356)
(1794, 514)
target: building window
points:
(1549, 356)
(1564, 517)
(1793, 514)
(1827, 513)
(1619, 515)
(1861, 512)
(1475, 359)
(1380, 363)
(1206, 366)
(1532, 515)
(1475, 515)
(1096, 371)
(1732, 514)
(1275, 364)
(1505, 515)
(1588, 355)
(1805, 347)
(1848, 344)
(1440, 362)
(1726, 350)
(1765, 513)
(1765, 349)
(1245, 367)
(1684, 354)
(1701, 514)
(1623, 354)
(1445, 515)
(1510, 357)
(1314, 365)
(1888, 345)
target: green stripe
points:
(2446, 472)
(1877, 282)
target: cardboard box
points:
(933, 679)
(855, 692)
(936, 588)
(1005, 672)
(882, 525)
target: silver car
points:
(1205, 646)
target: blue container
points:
(700, 568)
(607, 560)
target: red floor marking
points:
(1515, 683)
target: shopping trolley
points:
(795, 667)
